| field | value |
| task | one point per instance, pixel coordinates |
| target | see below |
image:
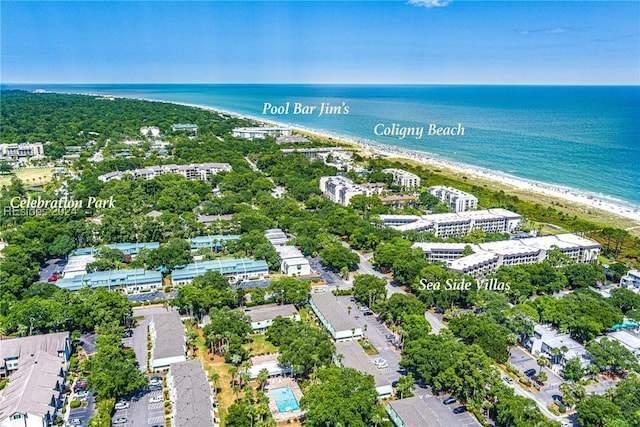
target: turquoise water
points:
(285, 400)
(624, 325)
(582, 137)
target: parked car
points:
(449, 400)
(363, 308)
(128, 333)
(368, 313)
(52, 278)
(460, 410)
(507, 380)
(82, 395)
(156, 399)
(155, 381)
(122, 405)
(119, 420)
(530, 372)
(74, 422)
(155, 387)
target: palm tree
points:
(263, 377)
(364, 327)
(542, 361)
(233, 371)
(215, 377)
(349, 310)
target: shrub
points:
(75, 404)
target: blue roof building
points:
(234, 269)
(132, 280)
(215, 242)
(126, 248)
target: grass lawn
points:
(260, 345)
(29, 176)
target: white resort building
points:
(403, 178)
(488, 257)
(261, 132)
(340, 189)
(458, 200)
(457, 224)
(196, 171)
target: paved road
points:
(88, 342)
(84, 414)
(50, 267)
(436, 324)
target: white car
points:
(156, 399)
(380, 363)
(122, 405)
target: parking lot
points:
(522, 361)
(141, 412)
(83, 413)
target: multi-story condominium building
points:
(403, 178)
(130, 281)
(457, 224)
(631, 280)
(191, 396)
(235, 269)
(340, 190)
(19, 152)
(261, 132)
(153, 131)
(320, 153)
(168, 340)
(184, 127)
(458, 200)
(486, 258)
(196, 171)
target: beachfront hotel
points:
(261, 132)
(340, 190)
(457, 224)
(458, 200)
(196, 171)
(488, 257)
(403, 178)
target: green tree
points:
(288, 290)
(596, 411)
(610, 355)
(406, 385)
(337, 257)
(368, 289)
(341, 396)
(573, 369)
(226, 324)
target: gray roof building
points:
(15, 351)
(191, 395)
(262, 316)
(333, 314)
(355, 357)
(35, 391)
(412, 412)
(168, 338)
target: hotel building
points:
(403, 178)
(458, 200)
(261, 132)
(340, 190)
(196, 171)
(488, 257)
(457, 224)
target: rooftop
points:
(415, 413)
(356, 358)
(335, 310)
(29, 346)
(170, 336)
(224, 266)
(270, 311)
(192, 400)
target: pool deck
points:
(283, 382)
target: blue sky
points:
(457, 42)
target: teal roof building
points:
(132, 280)
(234, 269)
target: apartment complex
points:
(191, 396)
(353, 356)
(340, 189)
(261, 132)
(458, 200)
(403, 178)
(20, 153)
(168, 340)
(235, 269)
(292, 262)
(130, 281)
(486, 258)
(196, 171)
(262, 316)
(333, 314)
(457, 224)
(182, 127)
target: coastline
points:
(574, 196)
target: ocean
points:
(582, 137)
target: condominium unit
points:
(261, 132)
(458, 200)
(292, 261)
(631, 280)
(403, 178)
(130, 281)
(196, 171)
(184, 127)
(235, 269)
(153, 131)
(262, 316)
(16, 351)
(168, 340)
(456, 224)
(190, 394)
(340, 189)
(350, 354)
(333, 312)
(486, 258)
(21, 152)
(214, 242)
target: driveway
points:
(50, 267)
(84, 413)
(88, 342)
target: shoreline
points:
(620, 208)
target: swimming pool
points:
(285, 400)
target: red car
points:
(53, 278)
